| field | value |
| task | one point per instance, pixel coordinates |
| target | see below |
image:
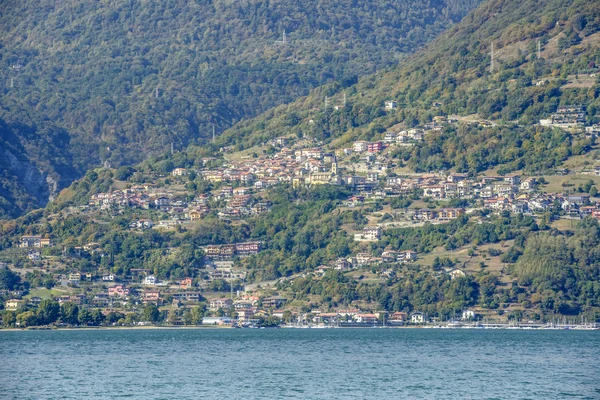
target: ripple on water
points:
(299, 364)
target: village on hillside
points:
(239, 189)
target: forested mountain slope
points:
(453, 75)
(35, 162)
(123, 79)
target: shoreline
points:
(210, 327)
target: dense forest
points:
(125, 79)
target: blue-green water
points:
(300, 364)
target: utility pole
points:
(538, 50)
(344, 99)
(326, 99)
(156, 92)
(213, 136)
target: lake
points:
(299, 364)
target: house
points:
(186, 283)
(348, 313)
(579, 199)
(281, 141)
(217, 321)
(375, 147)
(365, 318)
(151, 296)
(74, 278)
(78, 299)
(108, 278)
(468, 315)
(274, 301)
(435, 191)
(390, 105)
(143, 223)
(322, 269)
(162, 201)
(369, 234)
(528, 184)
(324, 178)
(417, 318)
(196, 215)
(425, 214)
(118, 291)
(513, 179)
(14, 304)
(390, 137)
(407, 255)
(187, 297)
(150, 280)
(389, 256)
(245, 314)
(99, 300)
(34, 241)
(363, 258)
(372, 176)
(247, 248)
(398, 318)
(35, 300)
(341, 264)
(220, 303)
(179, 172)
(455, 178)
(360, 146)
(450, 213)
(593, 130)
(34, 256)
(243, 305)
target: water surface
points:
(300, 364)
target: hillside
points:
(126, 79)
(35, 163)
(453, 199)
(452, 77)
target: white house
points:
(360, 146)
(150, 280)
(369, 234)
(468, 314)
(179, 172)
(417, 318)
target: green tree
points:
(48, 312)
(9, 318)
(69, 313)
(97, 318)
(26, 319)
(84, 317)
(197, 314)
(8, 279)
(151, 313)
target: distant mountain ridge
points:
(126, 79)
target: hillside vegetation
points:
(125, 79)
(431, 222)
(452, 76)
